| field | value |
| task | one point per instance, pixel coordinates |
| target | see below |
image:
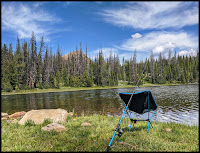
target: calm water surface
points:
(175, 103)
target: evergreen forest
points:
(30, 67)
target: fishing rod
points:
(129, 113)
(117, 129)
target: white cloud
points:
(137, 35)
(99, 2)
(160, 42)
(37, 4)
(164, 47)
(66, 3)
(153, 15)
(190, 52)
(24, 19)
(106, 52)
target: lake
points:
(178, 103)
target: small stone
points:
(4, 114)
(8, 121)
(168, 129)
(74, 119)
(17, 115)
(70, 113)
(53, 126)
(3, 118)
(2, 130)
(86, 124)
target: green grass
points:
(96, 138)
(122, 85)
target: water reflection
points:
(175, 103)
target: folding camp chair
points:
(139, 102)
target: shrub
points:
(29, 123)
(7, 86)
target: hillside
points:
(78, 62)
(75, 54)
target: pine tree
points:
(178, 69)
(33, 62)
(12, 74)
(124, 72)
(134, 66)
(175, 67)
(57, 80)
(156, 72)
(46, 69)
(71, 81)
(87, 61)
(129, 72)
(5, 82)
(51, 80)
(40, 63)
(117, 70)
(195, 68)
(186, 67)
(26, 63)
(98, 69)
(152, 68)
(169, 71)
(20, 66)
(91, 73)
(65, 75)
(161, 69)
(85, 80)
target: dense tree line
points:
(29, 67)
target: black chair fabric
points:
(139, 101)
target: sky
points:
(116, 27)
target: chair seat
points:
(139, 102)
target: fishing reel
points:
(120, 132)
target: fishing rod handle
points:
(108, 148)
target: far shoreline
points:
(63, 89)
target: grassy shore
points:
(95, 138)
(62, 89)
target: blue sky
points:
(120, 27)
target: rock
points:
(54, 126)
(3, 118)
(168, 129)
(38, 116)
(86, 124)
(12, 121)
(8, 121)
(4, 114)
(70, 113)
(17, 115)
(2, 131)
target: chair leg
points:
(130, 127)
(151, 124)
(148, 127)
